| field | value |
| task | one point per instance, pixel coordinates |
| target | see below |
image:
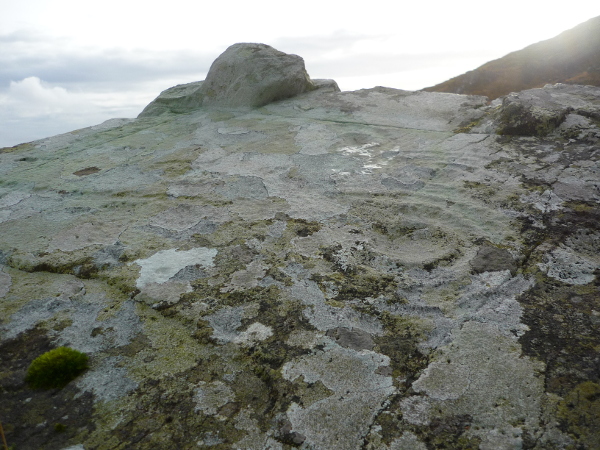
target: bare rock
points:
(177, 99)
(355, 339)
(254, 75)
(245, 75)
(539, 112)
(199, 259)
(490, 259)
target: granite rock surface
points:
(377, 269)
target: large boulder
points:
(245, 75)
(530, 113)
(254, 75)
(559, 110)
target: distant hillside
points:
(572, 57)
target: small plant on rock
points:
(56, 368)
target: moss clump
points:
(56, 368)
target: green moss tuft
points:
(56, 368)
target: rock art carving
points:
(261, 261)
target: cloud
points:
(337, 54)
(33, 109)
(35, 98)
(29, 98)
(342, 54)
(19, 36)
(59, 61)
(48, 86)
(323, 44)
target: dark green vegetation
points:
(442, 433)
(30, 418)
(56, 368)
(564, 324)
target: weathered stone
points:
(254, 75)
(491, 258)
(361, 270)
(287, 436)
(523, 117)
(539, 112)
(245, 75)
(354, 339)
(177, 99)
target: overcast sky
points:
(68, 64)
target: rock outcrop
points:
(572, 57)
(558, 110)
(244, 76)
(378, 269)
(179, 99)
(254, 75)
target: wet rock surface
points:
(378, 269)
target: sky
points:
(67, 64)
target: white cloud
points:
(47, 88)
(33, 109)
(31, 98)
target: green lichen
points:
(480, 190)
(517, 119)
(18, 148)
(563, 332)
(441, 433)
(238, 232)
(172, 348)
(365, 283)
(387, 215)
(400, 341)
(445, 260)
(562, 323)
(580, 414)
(171, 414)
(56, 368)
(123, 279)
(177, 163)
(220, 116)
(582, 207)
(469, 126)
(76, 263)
(301, 227)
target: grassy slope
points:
(572, 57)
